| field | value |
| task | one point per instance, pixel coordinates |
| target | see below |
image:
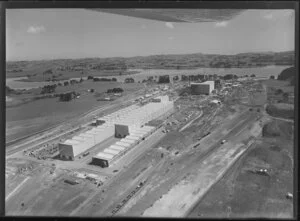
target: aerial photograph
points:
(150, 112)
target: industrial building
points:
(102, 159)
(121, 147)
(202, 88)
(128, 122)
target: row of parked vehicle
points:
(120, 205)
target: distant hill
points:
(288, 74)
(171, 61)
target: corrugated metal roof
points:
(87, 135)
(116, 147)
(123, 144)
(131, 137)
(111, 151)
(130, 141)
(72, 142)
(106, 156)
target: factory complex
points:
(127, 124)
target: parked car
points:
(223, 141)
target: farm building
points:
(202, 88)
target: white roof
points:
(138, 132)
(116, 147)
(130, 137)
(130, 141)
(105, 156)
(72, 142)
(136, 135)
(123, 144)
(92, 175)
(111, 151)
(148, 127)
(86, 135)
(215, 101)
(90, 132)
(205, 82)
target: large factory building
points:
(202, 88)
(115, 151)
(128, 122)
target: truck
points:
(223, 141)
(71, 182)
(85, 154)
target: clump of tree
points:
(288, 74)
(199, 77)
(252, 75)
(101, 79)
(66, 83)
(47, 89)
(90, 77)
(272, 77)
(68, 96)
(175, 78)
(129, 80)
(278, 91)
(74, 81)
(8, 90)
(164, 79)
(49, 71)
(228, 77)
(114, 79)
(115, 90)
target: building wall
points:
(204, 88)
(100, 162)
(121, 131)
(66, 151)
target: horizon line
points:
(53, 59)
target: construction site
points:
(165, 147)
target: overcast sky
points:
(35, 34)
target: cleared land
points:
(182, 170)
(245, 193)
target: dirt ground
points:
(61, 197)
(241, 193)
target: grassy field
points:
(26, 118)
(278, 105)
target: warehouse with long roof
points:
(128, 122)
(121, 147)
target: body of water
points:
(266, 72)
